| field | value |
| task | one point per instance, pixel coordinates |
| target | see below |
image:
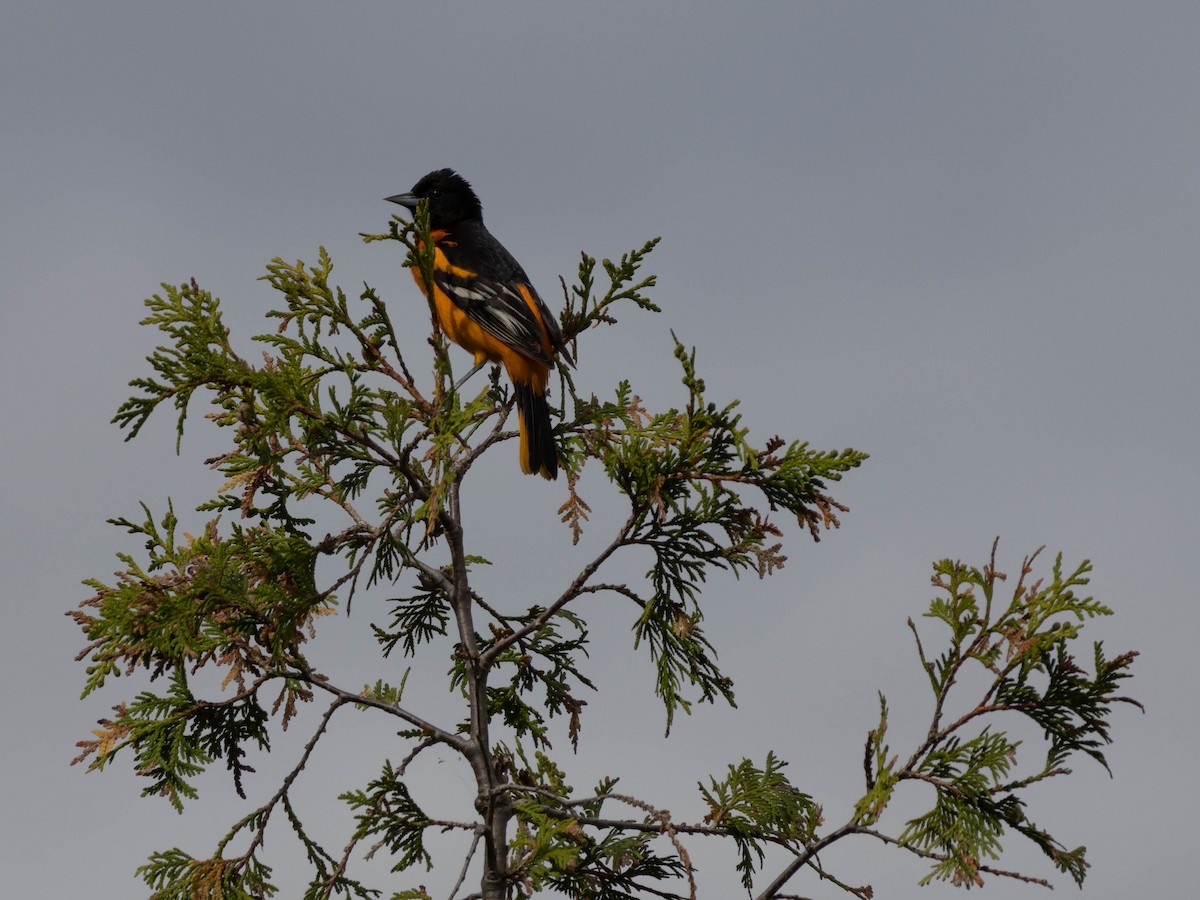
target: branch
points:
(573, 590)
(625, 824)
(264, 812)
(466, 862)
(925, 854)
(339, 869)
(362, 439)
(406, 380)
(805, 858)
(497, 434)
(428, 728)
(622, 589)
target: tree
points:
(334, 423)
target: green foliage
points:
(1024, 647)
(553, 853)
(691, 478)
(198, 356)
(881, 778)
(564, 845)
(759, 805)
(416, 619)
(387, 810)
(333, 428)
(545, 674)
(174, 875)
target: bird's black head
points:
(450, 197)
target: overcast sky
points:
(960, 237)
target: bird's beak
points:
(409, 201)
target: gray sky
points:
(959, 237)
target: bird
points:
(486, 304)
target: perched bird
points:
(487, 306)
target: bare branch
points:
(479, 832)
(438, 734)
(573, 590)
(266, 810)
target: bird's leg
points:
(458, 384)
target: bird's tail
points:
(538, 453)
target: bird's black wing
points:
(489, 285)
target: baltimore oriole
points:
(487, 306)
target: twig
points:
(622, 589)
(260, 833)
(573, 590)
(466, 863)
(339, 870)
(428, 728)
(940, 857)
(424, 745)
(805, 858)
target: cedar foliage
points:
(333, 416)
